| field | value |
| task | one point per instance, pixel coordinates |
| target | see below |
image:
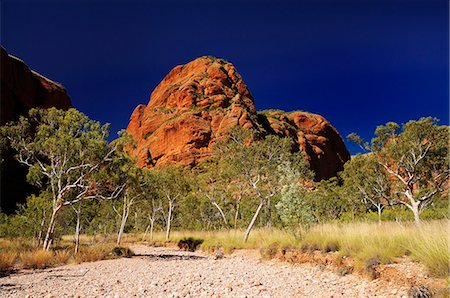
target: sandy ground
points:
(164, 272)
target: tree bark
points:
(416, 212)
(122, 224)
(51, 229)
(169, 218)
(77, 231)
(247, 233)
(221, 213)
(125, 212)
(236, 215)
(379, 208)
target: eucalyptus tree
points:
(151, 203)
(366, 179)
(261, 166)
(212, 184)
(64, 151)
(172, 184)
(416, 159)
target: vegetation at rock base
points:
(253, 192)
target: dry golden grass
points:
(94, 253)
(228, 240)
(7, 260)
(62, 257)
(36, 259)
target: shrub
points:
(122, 252)
(190, 244)
(270, 251)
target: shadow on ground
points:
(168, 257)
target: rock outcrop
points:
(21, 90)
(196, 104)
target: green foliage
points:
(325, 201)
(294, 209)
(416, 160)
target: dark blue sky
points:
(358, 63)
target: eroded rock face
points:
(196, 104)
(21, 90)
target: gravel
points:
(164, 272)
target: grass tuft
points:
(7, 261)
(36, 259)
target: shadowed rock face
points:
(21, 90)
(197, 103)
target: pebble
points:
(180, 276)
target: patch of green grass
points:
(427, 244)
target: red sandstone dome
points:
(197, 103)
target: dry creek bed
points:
(166, 272)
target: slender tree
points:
(260, 165)
(63, 150)
(416, 159)
(172, 185)
(367, 180)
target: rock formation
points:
(197, 103)
(21, 90)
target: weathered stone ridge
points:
(21, 90)
(196, 104)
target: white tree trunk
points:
(125, 212)
(50, 230)
(77, 231)
(379, 209)
(416, 212)
(169, 218)
(414, 206)
(250, 226)
(236, 215)
(221, 213)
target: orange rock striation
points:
(197, 103)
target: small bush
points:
(38, 259)
(190, 244)
(122, 252)
(62, 257)
(93, 253)
(330, 247)
(270, 251)
(7, 261)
